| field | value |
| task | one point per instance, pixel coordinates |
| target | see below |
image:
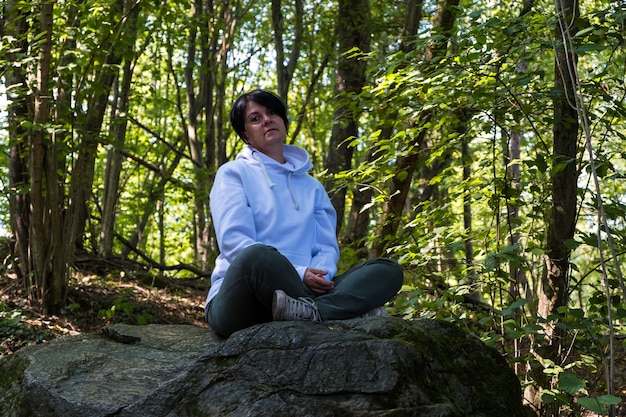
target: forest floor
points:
(98, 299)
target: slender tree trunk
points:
(15, 27)
(114, 156)
(358, 219)
(230, 15)
(467, 206)
(285, 71)
(193, 134)
(112, 174)
(315, 77)
(38, 232)
(56, 261)
(83, 169)
(564, 181)
(554, 292)
(353, 31)
(56, 161)
(389, 222)
(155, 190)
(210, 149)
(512, 152)
(48, 260)
(206, 99)
(519, 284)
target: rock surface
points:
(381, 366)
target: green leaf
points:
(402, 175)
(584, 31)
(570, 383)
(553, 396)
(583, 49)
(519, 303)
(609, 399)
(592, 404)
(516, 304)
(598, 404)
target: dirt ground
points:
(95, 300)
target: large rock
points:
(381, 366)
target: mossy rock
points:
(379, 366)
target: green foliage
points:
(9, 321)
(499, 72)
(125, 310)
(511, 328)
(13, 328)
(569, 393)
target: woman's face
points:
(264, 129)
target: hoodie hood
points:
(297, 160)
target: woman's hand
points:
(315, 281)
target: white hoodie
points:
(255, 199)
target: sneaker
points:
(286, 308)
(375, 312)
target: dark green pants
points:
(245, 297)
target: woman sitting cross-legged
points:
(276, 231)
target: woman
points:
(275, 228)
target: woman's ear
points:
(245, 138)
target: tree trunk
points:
(15, 26)
(118, 132)
(206, 96)
(83, 170)
(47, 259)
(208, 73)
(56, 160)
(358, 219)
(564, 181)
(512, 154)
(353, 31)
(519, 284)
(223, 44)
(193, 135)
(467, 207)
(56, 261)
(284, 71)
(389, 222)
(554, 291)
(154, 191)
(313, 83)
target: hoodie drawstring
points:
(267, 175)
(293, 197)
(271, 184)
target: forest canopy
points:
(482, 144)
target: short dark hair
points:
(262, 97)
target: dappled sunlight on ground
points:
(94, 301)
